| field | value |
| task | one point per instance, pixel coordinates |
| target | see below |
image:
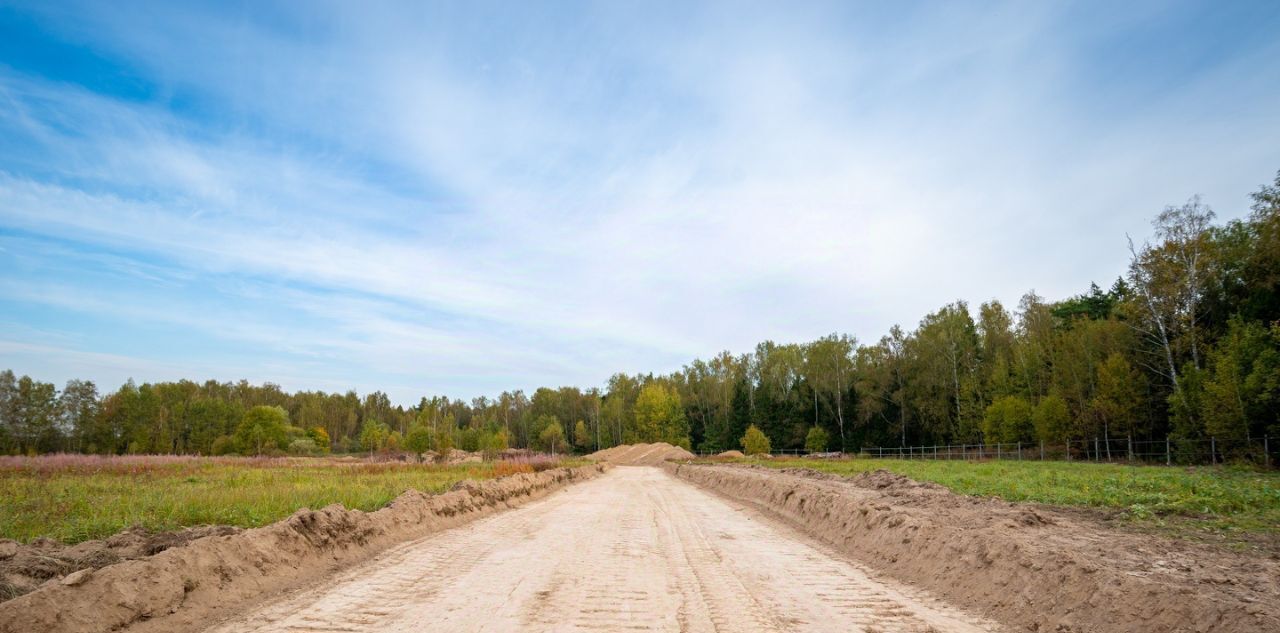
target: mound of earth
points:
(179, 589)
(640, 454)
(1032, 567)
(457, 456)
(731, 454)
(23, 568)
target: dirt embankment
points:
(1029, 566)
(23, 568)
(641, 454)
(632, 550)
(182, 588)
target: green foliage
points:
(419, 438)
(817, 440)
(493, 443)
(373, 436)
(303, 446)
(320, 437)
(444, 442)
(1119, 395)
(1052, 419)
(755, 442)
(224, 445)
(659, 416)
(1186, 403)
(262, 430)
(1242, 385)
(469, 439)
(1227, 500)
(552, 438)
(1183, 345)
(1008, 420)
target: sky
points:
(466, 198)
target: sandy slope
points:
(634, 549)
(1032, 567)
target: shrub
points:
(373, 436)
(444, 443)
(1008, 419)
(261, 429)
(419, 438)
(470, 440)
(1051, 419)
(552, 437)
(755, 442)
(303, 447)
(817, 439)
(223, 445)
(320, 437)
(493, 443)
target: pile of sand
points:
(457, 456)
(731, 454)
(640, 454)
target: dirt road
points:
(633, 550)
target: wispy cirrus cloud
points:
(455, 199)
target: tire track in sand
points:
(632, 550)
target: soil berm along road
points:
(632, 550)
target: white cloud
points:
(547, 210)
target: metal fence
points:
(1168, 451)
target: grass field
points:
(73, 498)
(1222, 499)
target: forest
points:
(1184, 344)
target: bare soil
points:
(683, 547)
(184, 588)
(641, 454)
(1029, 566)
(23, 568)
(634, 549)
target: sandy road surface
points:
(632, 550)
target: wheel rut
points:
(632, 550)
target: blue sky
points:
(463, 198)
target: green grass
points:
(76, 498)
(1223, 499)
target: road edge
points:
(997, 577)
(189, 588)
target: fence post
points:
(1213, 450)
(1097, 451)
(1019, 451)
(1266, 450)
(1041, 450)
(1130, 448)
(1168, 457)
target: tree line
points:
(1184, 344)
